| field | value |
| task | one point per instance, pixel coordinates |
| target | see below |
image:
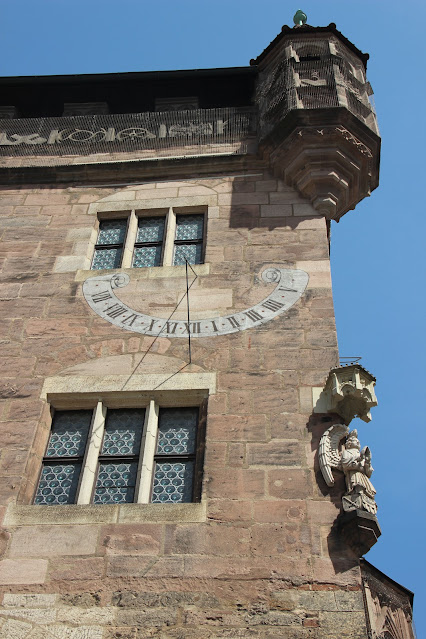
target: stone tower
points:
(177, 461)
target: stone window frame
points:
(147, 454)
(70, 391)
(169, 240)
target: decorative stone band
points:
(99, 294)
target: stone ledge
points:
(17, 515)
(69, 391)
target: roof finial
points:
(299, 18)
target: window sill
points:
(145, 273)
(17, 515)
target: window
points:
(189, 239)
(123, 455)
(109, 247)
(149, 242)
(159, 238)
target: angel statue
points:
(355, 463)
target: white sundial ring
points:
(99, 294)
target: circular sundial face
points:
(99, 292)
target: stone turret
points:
(318, 127)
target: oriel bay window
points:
(123, 455)
(158, 237)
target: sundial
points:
(100, 293)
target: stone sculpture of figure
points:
(355, 464)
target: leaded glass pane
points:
(177, 431)
(58, 484)
(123, 431)
(147, 256)
(150, 229)
(116, 483)
(189, 227)
(187, 252)
(112, 232)
(69, 433)
(173, 482)
(107, 258)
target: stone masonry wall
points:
(259, 558)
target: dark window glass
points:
(189, 239)
(175, 455)
(149, 242)
(109, 247)
(62, 463)
(118, 460)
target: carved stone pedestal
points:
(360, 529)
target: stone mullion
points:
(91, 459)
(146, 459)
(169, 242)
(132, 229)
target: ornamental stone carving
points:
(353, 462)
(318, 128)
(349, 392)
(340, 450)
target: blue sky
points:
(377, 251)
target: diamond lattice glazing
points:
(173, 482)
(147, 256)
(69, 433)
(112, 232)
(116, 483)
(189, 227)
(107, 258)
(150, 229)
(123, 431)
(177, 431)
(190, 252)
(58, 484)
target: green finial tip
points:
(299, 18)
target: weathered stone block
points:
(351, 624)
(33, 615)
(236, 484)
(230, 510)
(276, 453)
(279, 511)
(48, 541)
(284, 539)
(12, 600)
(72, 615)
(210, 540)
(237, 428)
(23, 571)
(146, 618)
(131, 539)
(14, 629)
(76, 569)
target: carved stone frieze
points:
(328, 165)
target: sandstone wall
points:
(258, 557)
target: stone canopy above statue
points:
(349, 392)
